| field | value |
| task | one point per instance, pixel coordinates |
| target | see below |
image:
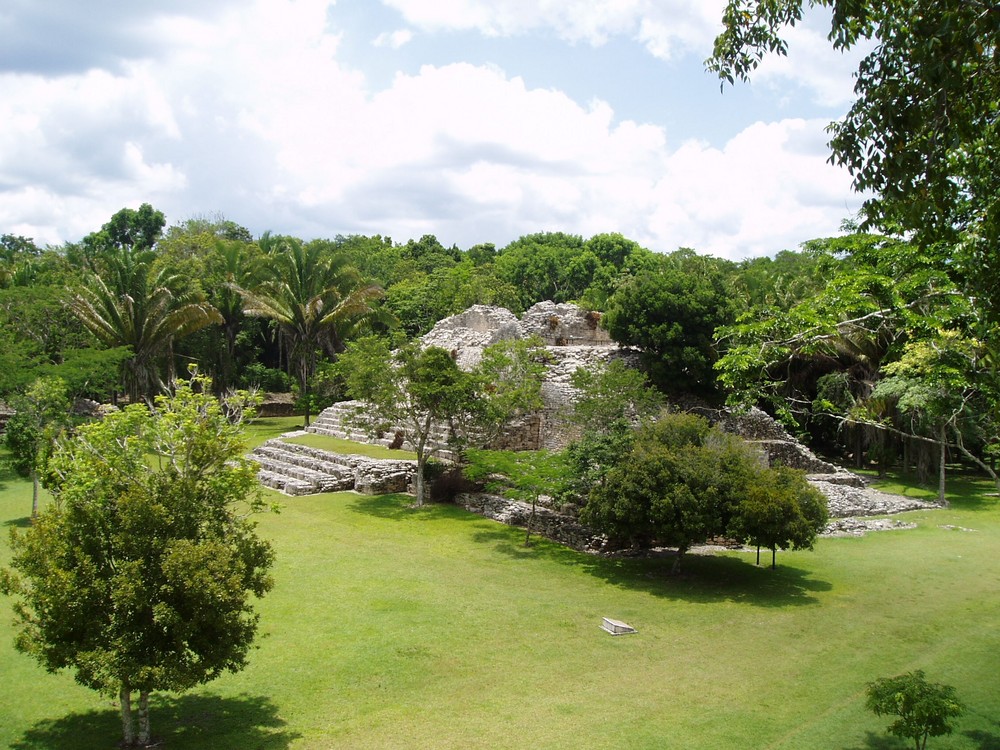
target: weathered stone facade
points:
(573, 338)
(301, 470)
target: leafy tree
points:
(944, 388)
(923, 134)
(508, 382)
(422, 299)
(129, 230)
(612, 392)
(40, 414)
(890, 348)
(612, 399)
(540, 265)
(923, 709)
(231, 263)
(523, 475)
(779, 510)
(130, 305)
(671, 312)
(375, 257)
(316, 299)
(424, 394)
(418, 391)
(781, 282)
(140, 577)
(678, 487)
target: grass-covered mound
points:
(394, 627)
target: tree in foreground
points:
(922, 709)
(141, 575)
(922, 134)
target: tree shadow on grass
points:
(875, 741)
(189, 721)
(21, 523)
(983, 740)
(399, 507)
(707, 578)
(703, 578)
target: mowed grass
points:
(396, 627)
(265, 429)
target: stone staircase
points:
(301, 470)
(339, 421)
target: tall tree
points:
(141, 576)
(891, 346)
(420, 392)
(670, 312)
(134, 230)
(315, 298)
(131, 305)
(923, 134)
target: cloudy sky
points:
(473, 120)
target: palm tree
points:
(316, 299)
(132, 306)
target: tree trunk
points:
(418, 482)
(531, 520)
(125, 704)
(774, 558)
(943, 457)
(34, 494)
(303, 369)
(758, 554)
(676, 567)
(144, 737)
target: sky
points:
(472, 120)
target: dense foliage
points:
(873, 348)
(684, 483)
(141, 576)
(923, 135)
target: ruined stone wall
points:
(546, 522)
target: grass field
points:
(394, 627)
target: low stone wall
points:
(547, 522)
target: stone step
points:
(282, 483)
(319, 481)
(302, 470)
(275, 452)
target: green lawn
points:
(265, 429)
(394, 627)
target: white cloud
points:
(393, 39)
(769, 188)
(661, 25)
(255, 116)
